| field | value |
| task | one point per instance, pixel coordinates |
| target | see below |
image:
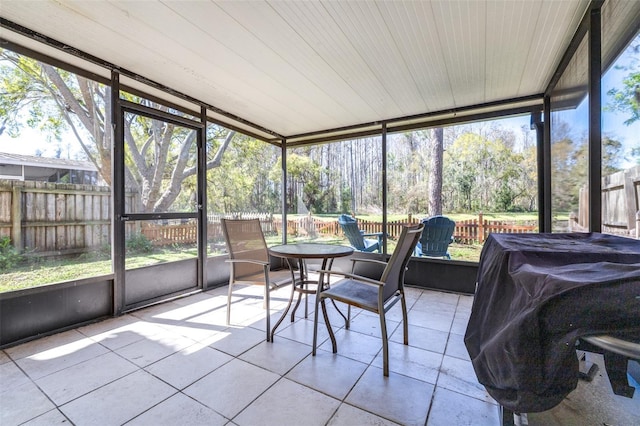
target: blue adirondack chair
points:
(357, 237)
(436, 237)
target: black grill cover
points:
(536, 295)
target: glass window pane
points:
(488, 175)
(160, 166)
(620, 143)
(327, 180)
(151, 242)
(410, 172)
(243, 181)
(570, 145)
(55, 174)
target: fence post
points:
(573, 218)
(16, 219)
(480, 228)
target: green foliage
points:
(304, 171)
(505, 197)
(160, 157)
(486, 173)
(248, 178)
(25, 90)
(627, 98)
(345, 201)
(97, 254)
(138, 243)
(9, 256)
(570, 168)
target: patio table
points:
(300, 252)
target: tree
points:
(160, 157)
(304, 175)
(436, 151)
(627, 98)
(248, 179)
(485, 172)
(567, 177)
(55, 101)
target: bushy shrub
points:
(138, 243)
(9, 256)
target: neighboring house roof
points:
(53, 163)
(29, 167)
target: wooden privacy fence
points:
(620, 205)
(477, 230)
(466, 231)
(187, 233)
(47, 219)
(52, 218)
(167, 234)
(44, 218)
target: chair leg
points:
(405, 325)
(303, 281)
(385, 344)
(267, 290)
(340, 312)
(229, 303)
(315, 327)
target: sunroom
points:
(295, 112)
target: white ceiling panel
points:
(354, 81)
(286, 60)
(417, 39)
(555, 27)
(462, 29)
(368, 33)
(295, 67)
(509, 44)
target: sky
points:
(612, 122)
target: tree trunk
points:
(436, 151)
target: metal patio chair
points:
(377, 296)
(249, 261)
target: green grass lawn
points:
(40, 272)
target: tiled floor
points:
(178, 363)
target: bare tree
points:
(160, 156)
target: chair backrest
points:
(436, 235)
(393, 274)
(350, 228)
(245, 240)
